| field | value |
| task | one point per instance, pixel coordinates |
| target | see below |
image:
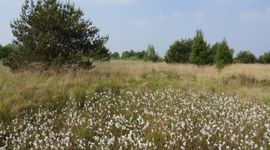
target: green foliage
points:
(151, 54)
(133, 55)
(179, 51)
(265, 58)
(199, 54)
(15, 60)
(224, 55)
(3, 52)
(212, 51)
(6, 50)
(246, 57)
(49, 31)
(126, 54)
(114, 55)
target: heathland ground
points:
(128, 104)
(31, 88)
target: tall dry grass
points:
(32, 88)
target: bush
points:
(15, 60)
(6, 50)
(265, 58)
(86, 63)
(114, 55)
(179, 51)
(245, 57)
(3, 52)
(55, 38)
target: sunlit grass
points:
(162, 119)
(32, 88)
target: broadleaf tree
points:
(265, 58)
(179, 51)
(246, 57)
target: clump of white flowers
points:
(169, 119)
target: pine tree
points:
(224, 55)
(199, 54)
(49, 31)
(212, 53)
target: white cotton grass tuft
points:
(168, 119)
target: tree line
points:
(55, 33)
(197, 51)
(149, 54)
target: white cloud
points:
(114, 1)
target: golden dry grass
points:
(32, 88)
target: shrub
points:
(15, 60)
(3, 52)
(114, 55)
(245, 57)
(265, 58)
(6, 50)
(179, 51)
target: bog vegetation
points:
(101, 107)
(167, 119)
(61, 88)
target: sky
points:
(134, 24)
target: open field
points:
(166, 119)
(159, 88)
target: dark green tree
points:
(6, 50)
(179, 51)
(50, 31)
(212, 51)
(224, 55)
(199, 53)
(114, 55)
(3, 52)
(126, 54)
(265, 58)
(134, 55)
(245, 57)
(151, 54)
(140, 54)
